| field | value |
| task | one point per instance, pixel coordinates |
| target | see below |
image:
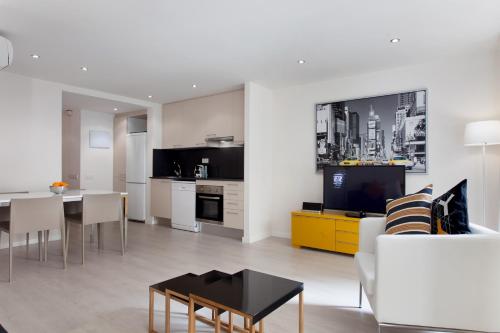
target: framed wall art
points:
(382, 130)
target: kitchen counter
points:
(191, 179)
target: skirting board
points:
(54, 235)
(281, 234)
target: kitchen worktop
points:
(190, 179)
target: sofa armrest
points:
(447, 281)
(369, 229)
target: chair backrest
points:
(100, 208)
(5, 211)
(35, 214)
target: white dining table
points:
(68, 196)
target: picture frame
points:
(380, 130)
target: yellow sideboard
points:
(325, 231)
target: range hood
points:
(222, 142)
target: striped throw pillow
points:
(410, 214)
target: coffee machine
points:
(201, 171)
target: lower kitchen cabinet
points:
(161, 198)
(233, 218)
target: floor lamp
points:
(483, 133)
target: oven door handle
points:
(208, 198)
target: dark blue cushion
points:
(449, 211)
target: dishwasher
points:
(184, 206)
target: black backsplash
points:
(226, 163)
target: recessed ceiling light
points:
(194, 86)
(35, 56)
(150, 96)
(395, 40)
(83, 68)
(301, 61)
(115, 109)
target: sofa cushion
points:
(365, 264)
(449, 211)
(410, 214)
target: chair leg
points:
(67, 226)
(46, 244)
(100, 241)
(122, 237)
(91, 239)
(63, 243)
(27, 244)
(10, 257)
(83, 243)
(360, 296)
(125, 227)
(40, 246)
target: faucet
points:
(177, 169)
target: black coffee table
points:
(250, 294)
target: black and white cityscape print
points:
(383, 130)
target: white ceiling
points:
(161, 47)
(72, 101)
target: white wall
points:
(154, 141)
(30, 133)
(96, 164)
(459, 90)
(258, 157)
(71, 142)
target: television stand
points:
(358, 215)
(329, 230)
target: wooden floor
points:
(110, 292)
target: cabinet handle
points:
(211, 135)
(347, 232)
(208, 198)
(232, 213)
(347, 243)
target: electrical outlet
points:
(205, 160)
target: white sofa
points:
(432, 281)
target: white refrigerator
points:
(136, 176)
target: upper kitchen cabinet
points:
(189, 123)
(171, 133)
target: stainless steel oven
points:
(210, 203)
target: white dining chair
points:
(97, 209)
(35, 214)
(4, 220)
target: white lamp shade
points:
(480, 133)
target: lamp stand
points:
(484, 184)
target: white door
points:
(136, 201)
(136, 158)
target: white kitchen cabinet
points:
(172, 123)
(233, 218)
(234, 205)
(189, 123)
(161, 198)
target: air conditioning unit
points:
(6, 53)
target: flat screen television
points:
(362, 188)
